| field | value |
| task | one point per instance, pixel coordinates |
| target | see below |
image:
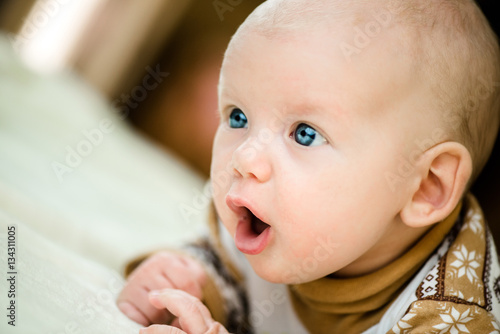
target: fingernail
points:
(154, 293)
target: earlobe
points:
(445, 170)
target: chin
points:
(277, 275)
(272, 277)
(268, 272)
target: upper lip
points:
(240, 206)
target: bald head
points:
(452, 47)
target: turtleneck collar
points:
(352, 305)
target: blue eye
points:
(237, 119)
(307, 136)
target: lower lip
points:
(246, 240)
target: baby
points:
(350, 134)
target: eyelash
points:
(307, 136)
(236, 117)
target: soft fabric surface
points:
(76, 230)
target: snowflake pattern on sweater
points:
(460, 294)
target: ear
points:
(443, 175)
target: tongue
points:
(251, 237)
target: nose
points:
(252, 160)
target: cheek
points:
(221, 173)
(220, 181)
(221, 160)
(337, 206)
(220, 178)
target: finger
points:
(137, 295)
(133, 313)
(217, 328)
(194, 317)
(195, 267)
(138, 308)
(161, 329)
(175, 323)
(184, 274)
(156, 316)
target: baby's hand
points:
(160, 271)
(192, 316)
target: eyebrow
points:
(301, 106)
(308, 106)
(227, 92)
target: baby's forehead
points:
(366, 21)
(302, 73)
(279, 16)
(348, 37)
(348, 27)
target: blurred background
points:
(157, 62)
(114, 44)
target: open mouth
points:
(252, 234)
(257, 225)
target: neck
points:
(395, 241)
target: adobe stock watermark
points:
(95, 137)
(221, 178)
(75, 155)
(452, 122)
(38, 19)
(406, 165)
(263, 309)
(363, 35)
(101, 304)
(150, 82)
(323, 251)
(484, 90)
(223, 6)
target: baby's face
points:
(303, 150)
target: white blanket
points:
(86, 194)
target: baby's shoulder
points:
(461, 291)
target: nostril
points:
(242, 170)
(236, 171)
(248, 162)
